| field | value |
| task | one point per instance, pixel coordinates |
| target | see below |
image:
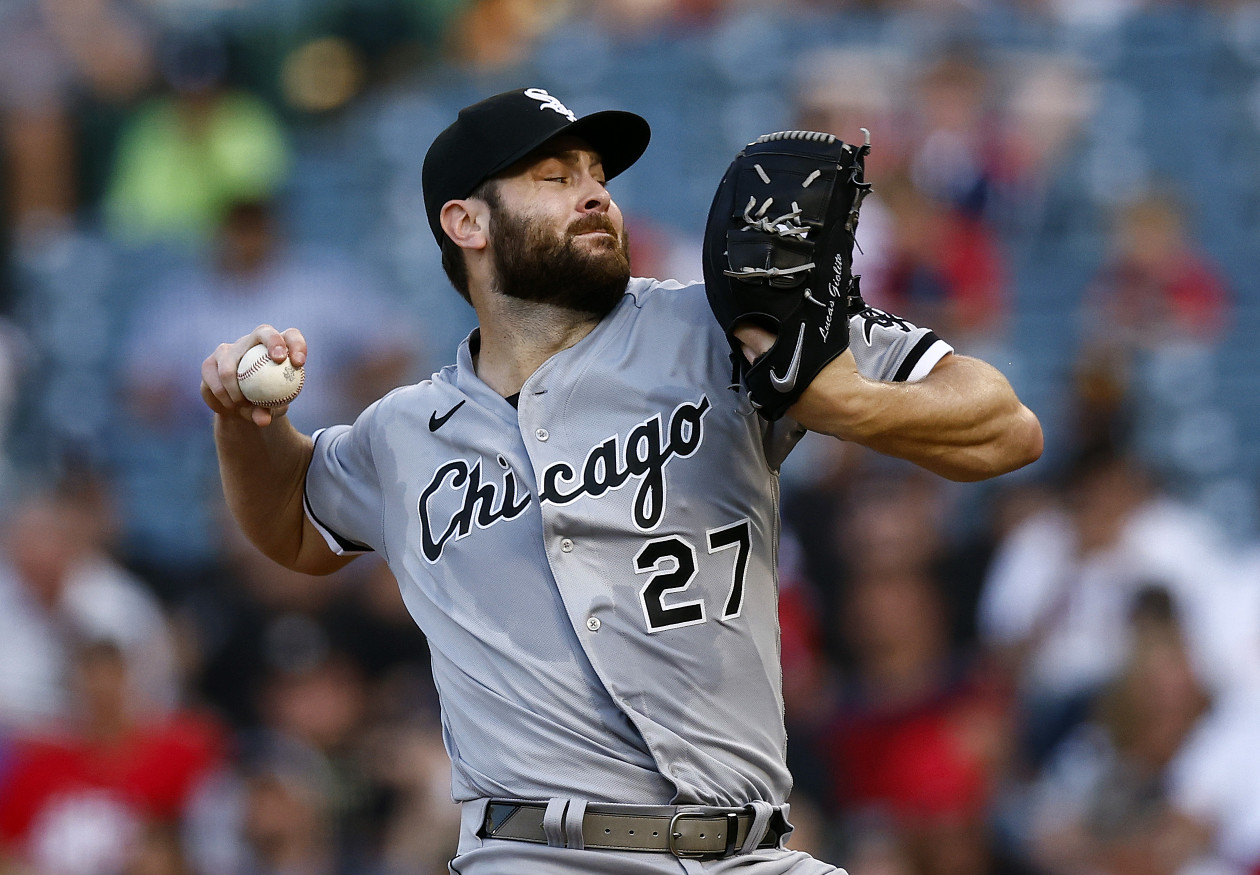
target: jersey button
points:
(593, 624)
(566, 545)
(541, 434)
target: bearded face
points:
(534, 262)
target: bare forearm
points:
(963, 421)
(263, 470)
(263, 458)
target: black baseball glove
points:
(778, 252)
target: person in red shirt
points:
(921, 734)
(81, 799)
(1157, 285)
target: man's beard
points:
(533, 264)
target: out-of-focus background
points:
(1051, 674)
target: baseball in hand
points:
(266, 382)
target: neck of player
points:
(518, 336)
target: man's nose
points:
(595, 197)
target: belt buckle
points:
(732, 829)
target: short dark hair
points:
(453, 256)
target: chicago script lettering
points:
(647, 451)
(479, 504)
(609, 465)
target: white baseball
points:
(266, 382)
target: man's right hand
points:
(219, 388)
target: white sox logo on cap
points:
(549, 102)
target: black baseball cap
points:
(495, 133)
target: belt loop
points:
(553, 822)
(732, 833)
(761, 812)
(473, 812)
(782, 822)
(573, 819)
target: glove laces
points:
(786, 225)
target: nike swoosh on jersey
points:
(788, 380)
(436, 422)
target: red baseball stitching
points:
(257, 366)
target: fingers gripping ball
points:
(266, 382)
(778, 253)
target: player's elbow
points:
(319, 566)
(1019, 441)
(302, 551)
(1026, 439)
(315, 558)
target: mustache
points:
(592, 222)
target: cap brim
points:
(620, 139)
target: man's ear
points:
(466, 222)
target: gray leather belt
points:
(708, 834)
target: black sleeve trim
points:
(907, 364)
(345, 544)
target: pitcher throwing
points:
(582, 510)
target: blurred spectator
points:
(287, 823)
(958, 153)
(927, 250)
(362, 344)
(321, 703)
(1102, 805)
(489, 35)
(159, 850)
(54, 56)
(335, 667)
(262, 629)
(1061, 586)
(188, 154)
(59, 586)
(411, 772)
(323, 666)
(1151, 322)
(1048, 102)
(810, 682)
(278, 808)
(920, 735)
(919, 740)
(842, 89)
(942, 268)
(1158, 288)
(824, 478)
(848, 500)
(1215, 822)
(268, 812)
(996, 135)
(87, 796)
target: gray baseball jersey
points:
(594, 569)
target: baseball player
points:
(582, 510)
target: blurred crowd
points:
(1057, 673)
